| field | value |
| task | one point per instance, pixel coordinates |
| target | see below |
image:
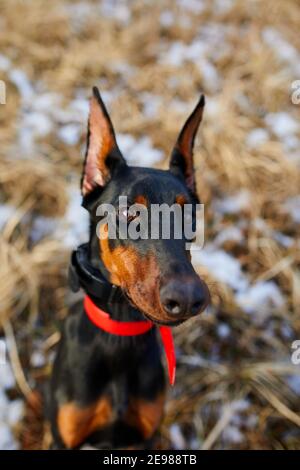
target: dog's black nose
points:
(183, 297)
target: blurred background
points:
(236, 387)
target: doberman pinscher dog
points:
(108, 384)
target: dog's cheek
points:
(112, 259)
(144, 291)
(138, 275)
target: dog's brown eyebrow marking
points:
(181, 199)
(141, 199)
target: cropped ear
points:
(102, 153)
(182, 162)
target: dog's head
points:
(150, 264)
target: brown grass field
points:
(236, 386)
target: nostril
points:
(196, 307)
(173, 307)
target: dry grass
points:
(64, 57)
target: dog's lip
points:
(170, 323)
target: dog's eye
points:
(126, 214)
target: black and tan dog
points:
(107, 389)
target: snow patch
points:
(139, 152)
(233, 434)
(193, 6)
(5, 63)
(202, 51)
(294, 383)
(6, 212)
(231, 233)
(69, 134)
(260, 297)
(257, 137)
(224, 267)
(73, 227)
(37, 359)
(233, 204)
(223, 6)
(119, 11)
(151, 104)
(282, 124)
(166, 18)
(292, 207)
(177, 437)
(23, 84)
(284, 51)
(223, 330)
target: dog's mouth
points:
(149, 317)
(170, 323)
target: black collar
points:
(83, 274)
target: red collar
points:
(133, 328)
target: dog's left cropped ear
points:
(102, 154)
(182, 162)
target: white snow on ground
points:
(224, 267)
(79, 14)
(70, 134)
(233, 204)
(41, 112)
(232, 432)
(11, 411)
(177, 437)
(193, 6)
(166, 18)
(231, 233)
(223, 330)
(260, 297)
(6, 212)
(151, 104)
(292, 207)
(294, 382)
(257, 137)
(287, 129)
(223, 6)
(233, 435)
(201, 51)
(71, 230)
(20, 80)
(262, 226)
(37, 358)
(4, 63)
(139, 152)
(285, 52)
(117, 10)
(282, 124)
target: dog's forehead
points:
(153, 184)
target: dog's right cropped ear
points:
(102, 153)
(182, 160)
